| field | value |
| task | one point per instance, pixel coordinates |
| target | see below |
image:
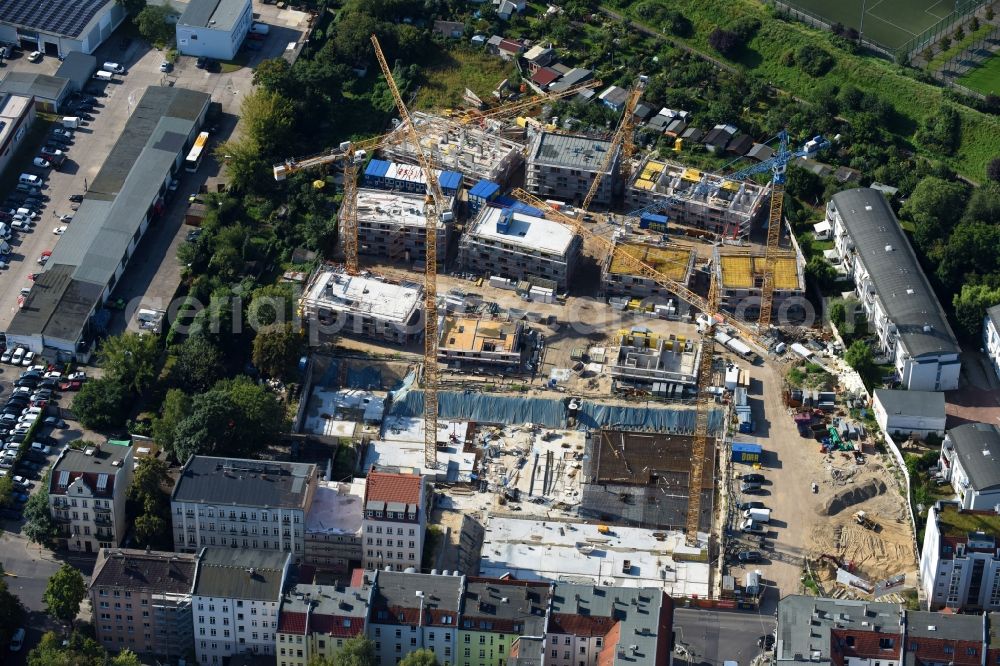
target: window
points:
(885, 643)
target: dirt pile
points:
(857, 494)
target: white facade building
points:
(214, 28)
(991, 337)
(903, 311)
(970, 460)
(906, 413)
(394, 520)
(236, 601)
(58, 27)
(960, 567)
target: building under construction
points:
(727, 211)
(473, 341)
(740, 276)
(642, 479)
(618, 278)
(362, 306)
(666, 365)
(476, 154)
(393, 225)
(564, 166)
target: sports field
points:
(891, 23)
(985, 78)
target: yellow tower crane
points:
(622, 137)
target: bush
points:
(813, 60)
(725, 42)
(993, 170)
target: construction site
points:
(582, 427)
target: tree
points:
(725, 42)
(838, 313)
(274, 75)
(813, 60)
(6, 490)
(64, 593)
(859, 356)
(153, 24)
(151, 529)
(131, 359)
(821, 273)
(148, 481)
(357, 651)
(126, 658)
(176, 407)
(939, 130)
(935, 206)
(267, 120)
(971, 305)
(199, 364)
(422, 657)
(969, 254)
(12, 612)
(78, 650)
(102, 404)
(276, 349)
(993, 170)
(39, 526)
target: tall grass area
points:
(445, 79)
(913, 100)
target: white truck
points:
(70, 122)
(751, 526)
(758, 515)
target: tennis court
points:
(985, 78)
(891, 23)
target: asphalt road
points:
(712, 637)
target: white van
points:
(104, 76)
(260, 28)
(113, 67)
(71, 122)
(4, 230)
(30, 179)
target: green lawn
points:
(984, 79)
(445, 79)
(890, 23)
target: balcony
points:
(102, 509)
(102, 520)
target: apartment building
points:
(564, 166)
(898, 301)
(726, 208)
(473, 341)
(393, 225)
(411, 611)
(141, 600)
(620, 278)
(246, 504)
(960, 558)
(740, 277)
(945, 638)
(87, 493)
(643, 358)
(315, 620)
(519, 246)
(495, 614)
(236, 601)
(602, 626)
(991, 337)
(363, 306)
(839, 632)
(970, 460)
(333, 526)
(395, 518)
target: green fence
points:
(963, 8)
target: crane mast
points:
(622, 135)
(434, 199)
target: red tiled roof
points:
(545, 75)
(933, 650)
(580, 625)
(358, 577)
(292, 622)
(510, 46)
(390, 487)
(866, 645)
(333, 625)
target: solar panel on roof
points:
(62, 17)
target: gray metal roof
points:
(977, 446)
(915, 403)
(571, 78)
(241, 573)
(58, 17)
(570, 151)
(243, 482)
(922, 624)
(638, 610)
(504, 603)
(332, 600)
(804, 624)
(216, 14)
(395, 589)
(101, 460)
(994, 314)
(43, 86)
(78, 67)
(898, 279)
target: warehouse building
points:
(58, 314)
(214, 28)
(619, 277)
(393, 225)
(48, 92)
(740, 277)
(475, 153)
(16, 115)
(901, 307)
(517, 246)
(58, 27)
(727, 211)
(472, 341)
(363, 306)
(564, 166)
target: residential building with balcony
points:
(960, 558)
(991, 337)
(970, 460)
(315, 621)
(236, 601)
(87, 493)
(495, 615)
(333, 526)
(238, 503)
(141, 601)
(410, 611)
(395, 519)
(903, 311)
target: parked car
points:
(29, 358)
(751, 489)
(201, 63)
(76, 198)
(70, 386)
(35, 56)
(55, 422)
(59, 231)
(44, 257)
(744, 506)
(17, 640)
(5, 357)
(62, 132)
(166, 66)
(41, 163)
(752, 478)
(750, 556)
(17, 356)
